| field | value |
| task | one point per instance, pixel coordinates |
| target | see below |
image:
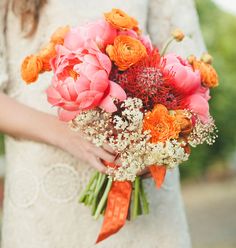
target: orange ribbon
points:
(117, 209)
(158, 173)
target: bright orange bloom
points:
(46, 54)
(59, 35)
(162, 125)
(30, 68)
(126, 51)
(120, 20)
(209, 75)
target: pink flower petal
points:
(108, 105)
(82, 83)
(67, 115)
(104, 62)
(73, 40)
(116, 91)
(99, 81)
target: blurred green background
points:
(219, 31)
(1, 145)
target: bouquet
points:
(150, 106)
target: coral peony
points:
(161, 124)
(185, 80)
(81, 81)
(126, 51)
(120, 20)
(30, 68)
(73, 96)
(100, 32)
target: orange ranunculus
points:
(162, 125)
(59, 35)
(46, 54)
(120, 20)
(184, 122)
(126, 51)
(30, 68)
(209, 75)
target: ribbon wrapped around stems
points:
(117, 209)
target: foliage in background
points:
(219, 31)
(1, 145)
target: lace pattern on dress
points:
(61, 183)
(23, 188)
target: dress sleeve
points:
(3, 55)
(166, 15)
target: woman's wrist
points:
(57, 132)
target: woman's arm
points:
(23, 122)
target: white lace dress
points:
(43, 183)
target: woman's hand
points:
(23, 122)
(77, 145)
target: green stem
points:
(144, 200)
(97, 191)
(103, 199)
(165, 47)
(92, 189)
(136, 196)
(85, 192)
(140, 210)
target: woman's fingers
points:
(103, 154)
(97, 164)
(108, 148)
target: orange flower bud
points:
(120, 20)
(209, 75)
(30, 68)
(46, 54)
(207, 58)
(59, 35)
(178, 35)
(126, 51)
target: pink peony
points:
(188, 84)
(99, 31)
(185, 79)
(92, 60)
(63, 64)
(81, 82)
